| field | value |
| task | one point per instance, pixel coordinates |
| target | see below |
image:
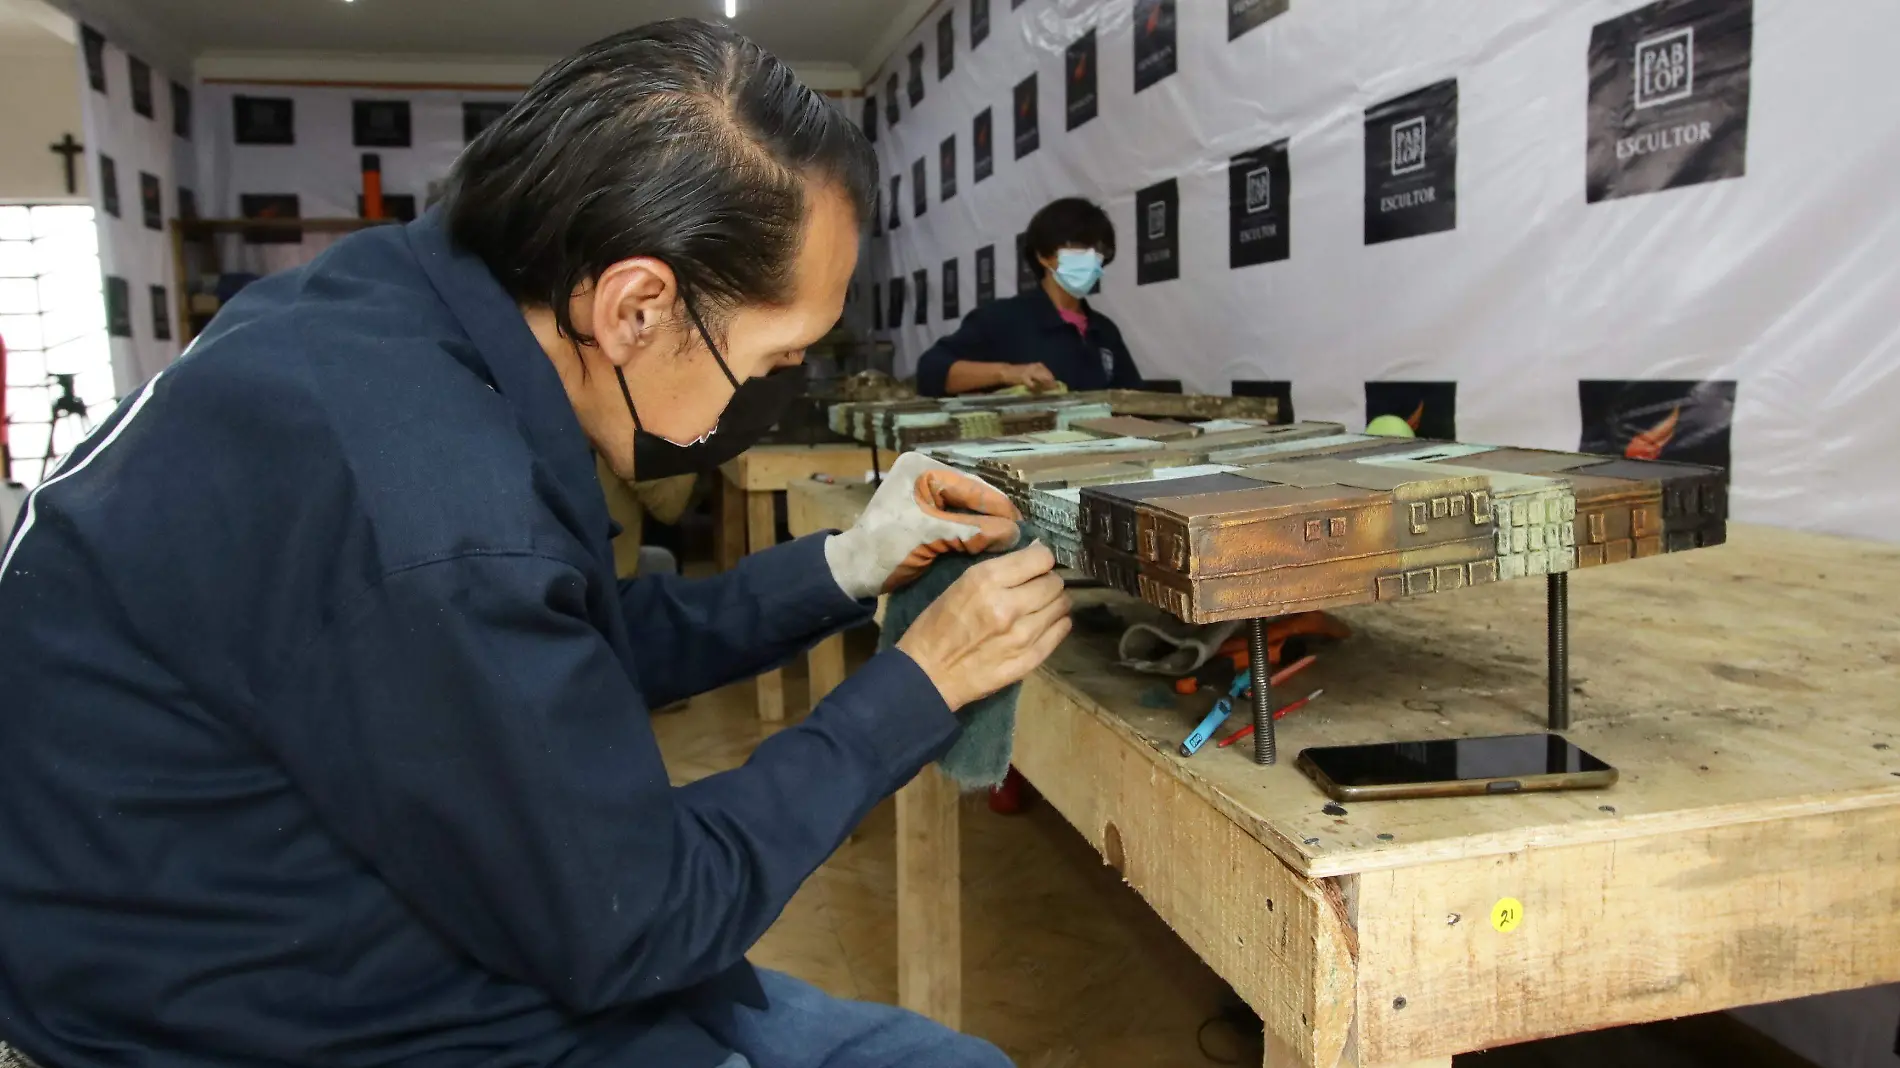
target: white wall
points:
(39, 104)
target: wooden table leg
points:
(762, 534)
(824, 667)
(730, 537)
(929, 899)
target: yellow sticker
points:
(1507, 914)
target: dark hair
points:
(1071, 222)
(680, 140)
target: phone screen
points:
(1514, 756)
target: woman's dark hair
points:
(680, 140)
(1071, 222)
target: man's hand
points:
(909, 522)
(1033, 376)
(993, 626)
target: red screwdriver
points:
(1281, 714)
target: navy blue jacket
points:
(1026, 328)
(324, 731)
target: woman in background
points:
(1046, 335)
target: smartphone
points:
(1454, 767)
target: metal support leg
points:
(1263, 751)
(1559, 610)
(877, 474)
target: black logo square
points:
(118, 307)
(890, 100)
(946, 44)
(877, 212)
(1158, 233)
(1669, 97)
(983, 156)
(985, 275)
(920, 278)
(1259, 191)
(141, 78)
(187, 203)
(152, 199)
(868, 123)
(1412, 164)
(109, 185)
(478, 115)
(919, 189)
(897, 200)
(1244, 15)
(1429, 408)
(1082, 100)
(947, 168)
(877, 305)
(1028, 272)
(181, 111)
(916, 84)
(1155, 56)
(1027, 137)
(1279, 389)
(94, 45)
(259, 120)
(1685, 421)
(380, 123)
(952, 290)
(979, 22)
(895, 314)
(161, 314)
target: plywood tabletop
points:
(1748, 682)
(764, 468)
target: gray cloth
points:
(1171, 647)
(979, 758)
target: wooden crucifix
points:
(71, 150)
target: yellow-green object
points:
(1390, 426)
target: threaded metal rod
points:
(1558, 606)
(1263, 751)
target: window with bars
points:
(53, 321)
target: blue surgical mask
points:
(1077, 270)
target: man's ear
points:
(632, 299)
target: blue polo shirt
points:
(1026, 328)
(324, 732)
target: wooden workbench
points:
(747, 522)
(1749, 854)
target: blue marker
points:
(1222, 709)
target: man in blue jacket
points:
(323, 718)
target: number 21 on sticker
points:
(1507, 914)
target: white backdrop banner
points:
(1657, 230)
(140, 125)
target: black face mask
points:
(755, 409)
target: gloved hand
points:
(909, 523)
